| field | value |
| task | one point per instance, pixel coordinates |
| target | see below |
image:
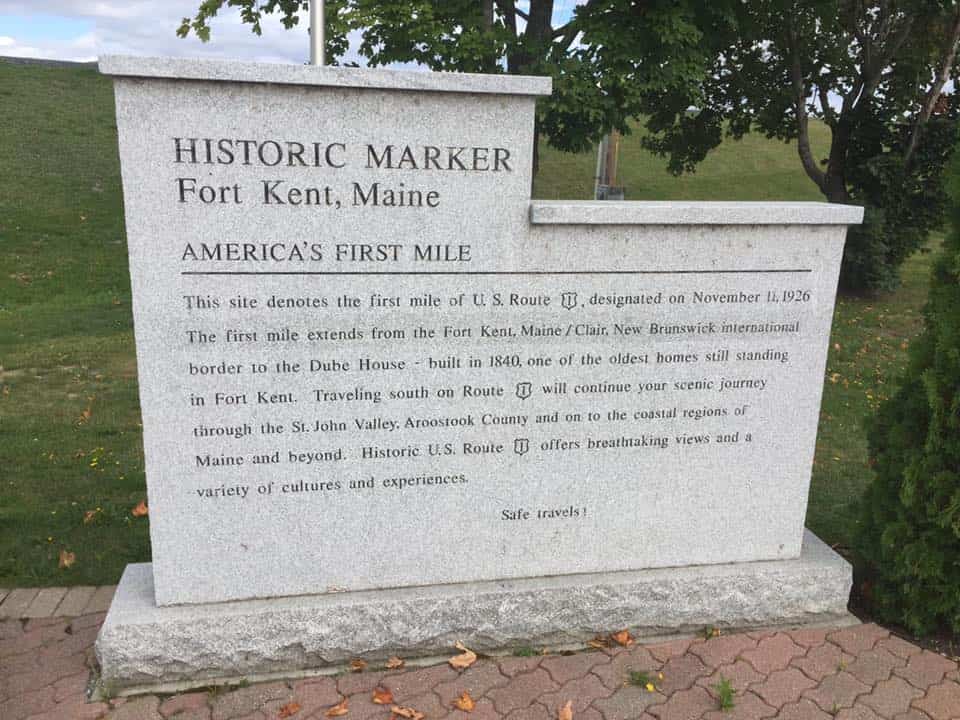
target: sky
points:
(82, 30)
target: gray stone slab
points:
(589, 212)
(17, 602)
(45, 602)
(141, 645)
(344, 394)
(76, 600)
(248, 72)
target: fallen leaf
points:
(67, 559)
(566, 712)
(623, 638)
(650, 687)
(358, 665)
(395, 663)
(465, 702)
(406, 712)
(337, 710)
(382, 696)
(601, 643)
(89, 516)
(140, 510)
(288, 710)
(465, 659)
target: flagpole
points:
(317, 33)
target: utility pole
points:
(317, 34)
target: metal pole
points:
(317, 33)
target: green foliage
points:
(725, 694)
(640, 678)
(911, 512)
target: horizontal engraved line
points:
(491, 272)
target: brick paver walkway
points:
(855, 673)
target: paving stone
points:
(45, 622)
(616, 673)
(483, 710)
(685, 705)
(522, 691)
(47, 673)
(783, 686)
(100, 600)
(583, 691)
(773, 653)
(628, 703)
(925, 669)
(364, 682)
(10, 629)
(319, 693)
(75, 601)
(88, 620)
(823, 660)
(891, 697)
(511, 666)
(563, 668)
(193, 714)
(912, 714)
(858, 712)
(665, 651)
(942, 702)
(16, 602)
(72, 686)
(740, 674)
(898, 646)
(417, 682)
(680, 673)
(803, 709)
(809, 637)
(3, 593)
(179, 703)
(31, 703)
(73, 710)
(138, 708)
(858, 638)
(14, 664)
(360, 707)
(45, 602)
(245, 700)
(746, 707)
(872, 666)
(837, 691)
(724, 649)
(533, 712)
(477, 680)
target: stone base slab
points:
(143, 646)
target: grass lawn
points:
(71, 465)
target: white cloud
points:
(145, 27)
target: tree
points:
(910, 533)
(874, 72)
(603, 60)
(693, 70)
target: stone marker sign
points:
(368, 361)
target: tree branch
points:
(933, 94)
(800, 108)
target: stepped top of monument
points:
(682, 212)
(346, 77)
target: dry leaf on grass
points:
(67, 559)
(406, 712)
(90, 515)
(337, 710)
(623, 638)
(395, 663)
(289, 710)
(358, 665)
(382, 696)
(465, 702)
(465, 659)
(140, 510)
(566, 712)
